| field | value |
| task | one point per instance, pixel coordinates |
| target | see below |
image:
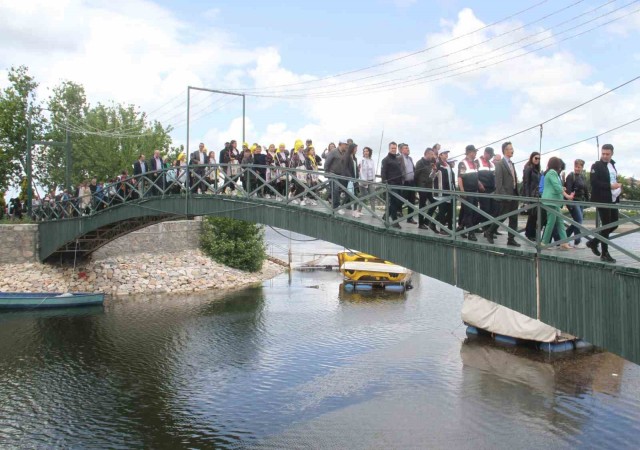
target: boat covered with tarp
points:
(362, 271)
(508, 326)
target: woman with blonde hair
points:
(212, 173)
(311, 164)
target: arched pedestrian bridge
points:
(571, 290)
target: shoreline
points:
(142, 273)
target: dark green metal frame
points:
(597, 301)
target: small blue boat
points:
(23, 300)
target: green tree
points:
(67, 106)
(106, 139)
(24, 184)
(234, 243)
(18, 106)
(630, 188)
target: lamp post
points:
(215, 91)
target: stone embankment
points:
(187, 271)
(18, 243)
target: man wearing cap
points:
(468, 182)
(336, 164)
(506, 184)
(487, 185)
(425, 173)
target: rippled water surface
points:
(298, 364)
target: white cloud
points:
(137, 51)
(133, 51)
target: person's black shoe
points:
(606, 257)
(512, 243)
(463, 235)
(488, 237)
(411, 221)
(443, 233)
(593, 245)
(532, 239)
(472, 237)
(433, 228)
(396, 225)
(423, 226)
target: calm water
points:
(299, 364)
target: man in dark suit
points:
(605, 189)
(391, 174)
(157, 164)
(140, 168)
(507, 184)
(198, 158)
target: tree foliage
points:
(106, 138)
(18, 106)
(234, 243)
(630, 188)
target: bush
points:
(234, 243)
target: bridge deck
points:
(572, 290)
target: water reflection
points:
(546, 392)
(297, 363)
(368, 296)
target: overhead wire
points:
(264, 91)
(180, 115)
(584, 140)
(206, 114)
(418, 79)
(557, 116)
(399, 58)
(120, 129)
(74, 127)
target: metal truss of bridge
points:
(571, 290)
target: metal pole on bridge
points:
(67, 168)
(243, 117)
(29, 169)
(186, 150)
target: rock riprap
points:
(189, 271)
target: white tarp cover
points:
(482, 313)
(373, 267)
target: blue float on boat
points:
(24, 300)
(556, 347)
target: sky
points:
(455, 72)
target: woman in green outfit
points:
(553, 190)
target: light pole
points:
(215, 91)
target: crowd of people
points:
(492, 173)
(352, 172)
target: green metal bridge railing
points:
(312, 189)
(569, 290)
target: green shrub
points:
(234, 243)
